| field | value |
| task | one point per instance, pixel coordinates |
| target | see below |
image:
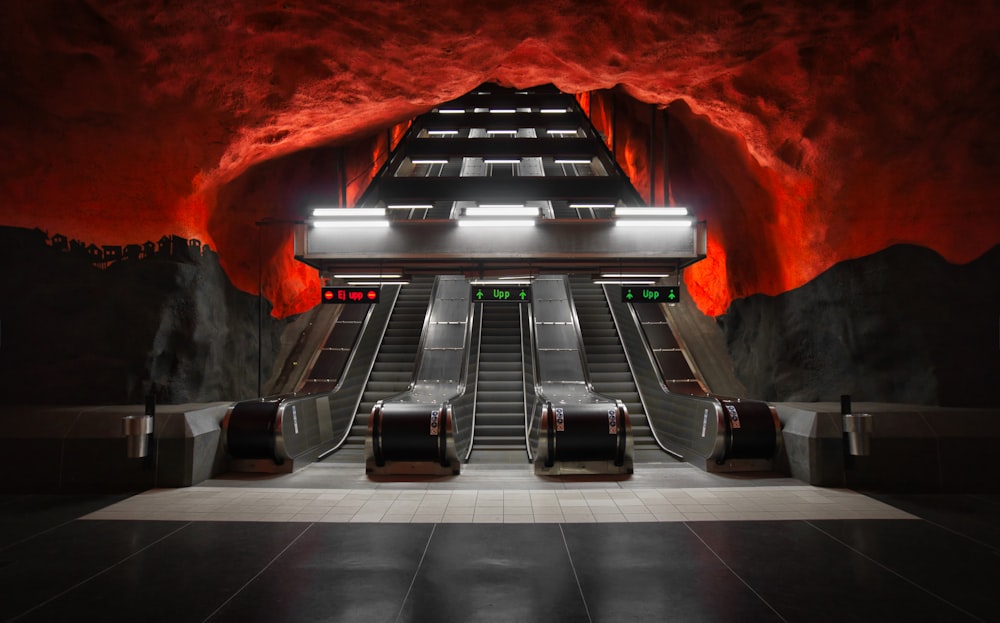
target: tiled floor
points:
(671, 543)
(512, 494)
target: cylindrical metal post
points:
(137, 429)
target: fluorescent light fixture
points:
(442, 132)
(572, 161)
(368, 284)
(339, 224)
(591, 205)
(509, 211)
(681, 222)
(476, 222)
(396, 275)
(501, 205)
(634, 275)
(501, 161)
(553, 111)
(625, 282)
(503, 111)
(451, 111)
(561, 132)
(501, 281)
(429, 161)
(411, 206)
(348, 212)
(634, 211)
(503, 132)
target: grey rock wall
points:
(73, 331)
(901, 325)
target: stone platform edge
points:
(83, 449)
(914, 448)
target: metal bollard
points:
(137, 429)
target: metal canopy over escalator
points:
(530, 160)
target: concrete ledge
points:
(913, 448)
(82, 449)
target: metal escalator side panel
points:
(682, 425)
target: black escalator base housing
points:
(411, 438)
(584, 439)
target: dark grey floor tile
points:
(505, 572)
(950, 566)
(808, 576)
(335, 572)
(976, 517)
(657, 572)
(184, 577)
(25, 515)
(42, 567)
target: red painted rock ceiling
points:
(803, 132)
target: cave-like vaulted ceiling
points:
(803, 132)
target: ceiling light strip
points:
(347, 212)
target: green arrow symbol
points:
(672, 295)
(479, 294)
(523, 294)
(628, 295)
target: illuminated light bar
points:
(592, 205)
(501, 205)
(683, 222)
(429, 161)
(501, 211)
(502, 161)
(562, 132)
(339, 224)
(500, 281)
(476, 222)
(451, 111)
(412, 206)
(626, 282)
(634, 275)
(389, 282)
(553, 111)
(348, 212)
(503, 111)
(504, 132)
(442, 132)
(394, 275)
(632, 211)
(573, 161)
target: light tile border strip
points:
(759, 503)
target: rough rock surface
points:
(804, 132)
(72, 332)
(901, 325)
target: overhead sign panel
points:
(349, 296)
(503, 294)
(651, 294)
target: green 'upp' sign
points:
(651, 294)
(506, 294)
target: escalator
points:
(609, 370)
(393, 368)
(499, 407)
